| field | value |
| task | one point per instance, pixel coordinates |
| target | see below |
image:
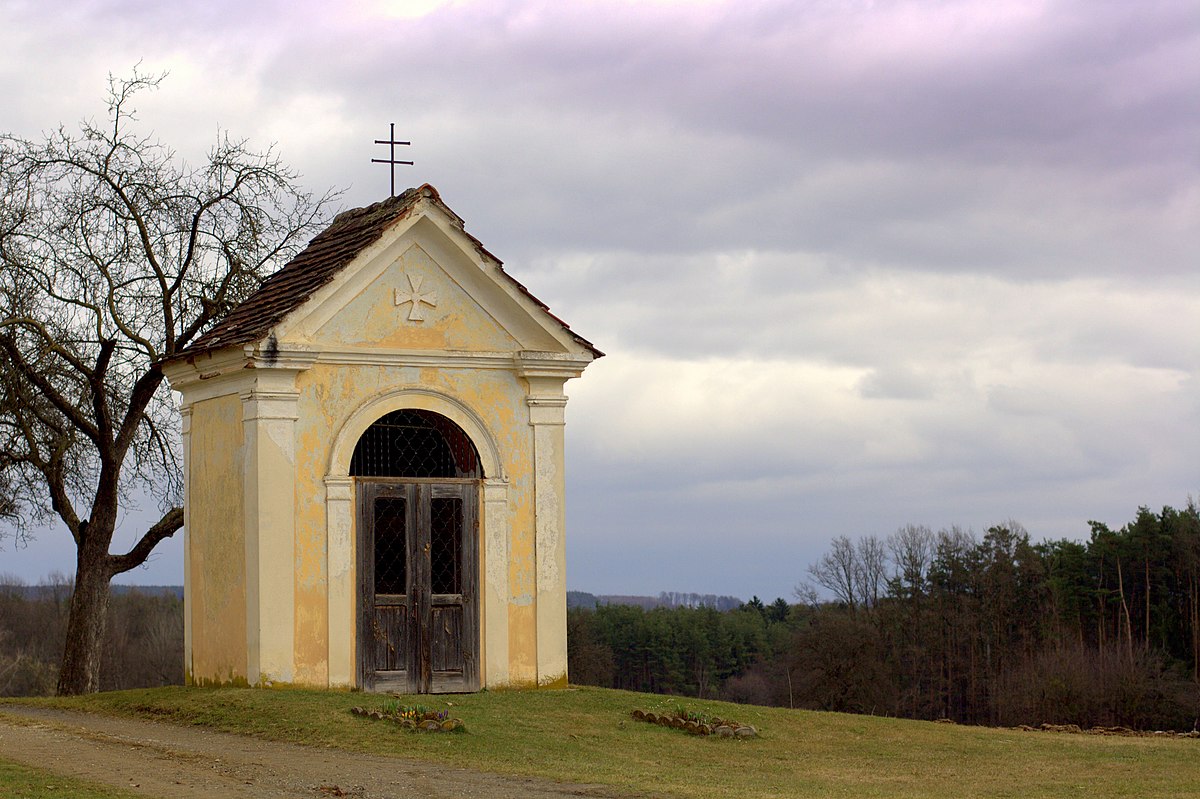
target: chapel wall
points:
(422, 315)
(215, 540)
(329, 396)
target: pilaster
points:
(547, 415)
(269, 413)
(185, 414)
(497, 532)
(339, 506)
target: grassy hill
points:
(587, 735)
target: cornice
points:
(363, 356)
(560, 365)
(230, 370)
(272, 356)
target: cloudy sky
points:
(854, 264)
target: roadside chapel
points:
(373, 451)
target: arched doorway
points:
(417, 476)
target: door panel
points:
(447, 638)
(418, 578)
(388, 636)
(386, 517)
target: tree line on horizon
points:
(995, 629)
(142, 645)
(664, 599)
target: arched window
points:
(415, 443)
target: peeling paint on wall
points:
(373, 318)
(218, 554)
(419, 320)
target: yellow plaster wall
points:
(216, 541)
(356, 320)
(314, 433)
(329, 394)
(456, 323)
(367, 317)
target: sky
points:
(854, 265)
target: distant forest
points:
(991, 630)
(665, 599)
(143, 643)
(983, 630)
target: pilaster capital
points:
(547, 409)
(259, 404)
(339, 489)
(495, 489)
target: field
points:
(587, 735)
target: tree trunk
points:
(1194, 591)
(1125, 612)
(1146, 637)
(80, 673)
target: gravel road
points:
(169, 761)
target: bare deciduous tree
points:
(856, 574)
(838, 571)
(912, 552)
(116, 254)
(872, 566)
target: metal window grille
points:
(415, 443)
(445, 527)
(391, 558)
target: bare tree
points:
(856, 574)
(838, 571)
(115, 255)
(872, 563)
(912, 552)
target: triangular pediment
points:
(424, 287)
(406, 301)
(401, 275)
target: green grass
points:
(23, 782)
(587, 735)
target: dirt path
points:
(168, 761)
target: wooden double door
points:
(418, 585)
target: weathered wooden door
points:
(418, 586)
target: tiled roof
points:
(349, 234)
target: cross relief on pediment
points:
(417, 296)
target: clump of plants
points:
(418, 718)
(696, 722)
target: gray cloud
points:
(855, 265)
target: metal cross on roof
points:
(391, 159)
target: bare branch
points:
(51, 392)
(164, 528)
(47, 340)
(115, 254)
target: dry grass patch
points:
(586, 735)
(22, 782)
